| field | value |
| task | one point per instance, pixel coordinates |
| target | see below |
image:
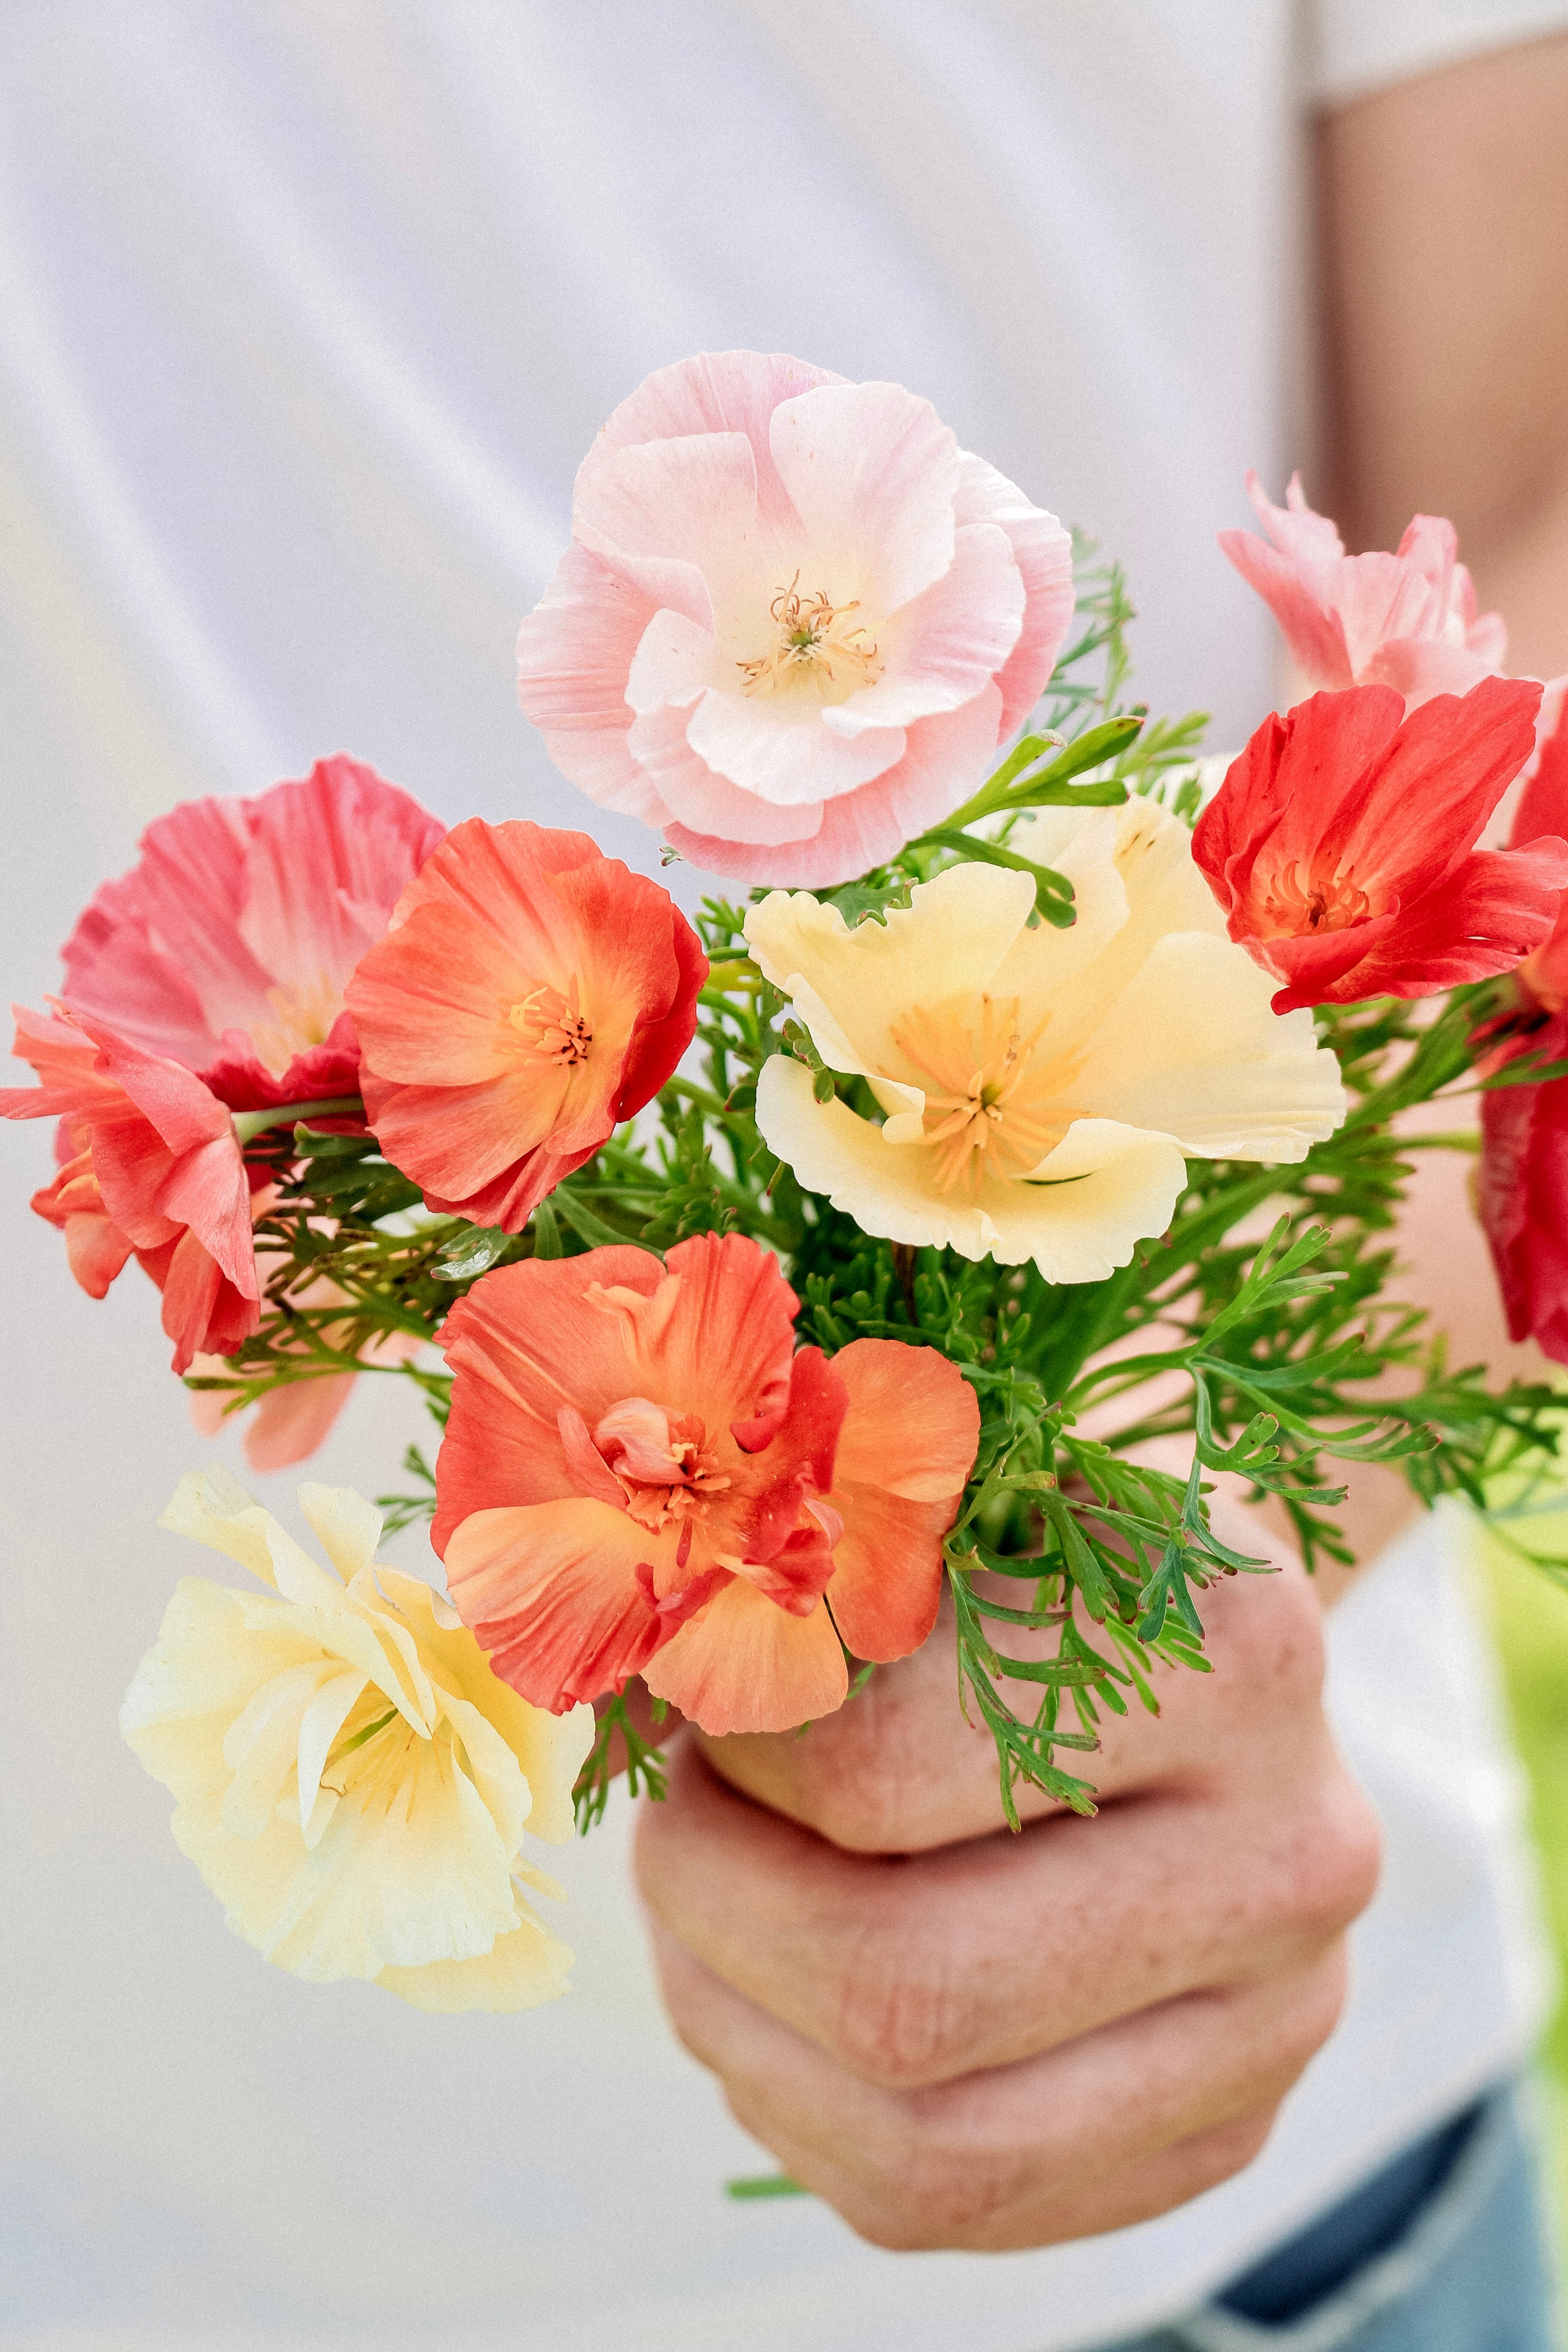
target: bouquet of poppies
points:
(783, 1280)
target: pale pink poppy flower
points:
(291, 1422)
(229, 944)
(1406, 620)
(796, 621)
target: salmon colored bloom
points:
(228, 945)
(531, 995)
(158, 1170)
(797, 619)
(1341, 846)
(1041, 1090)
(642, 1475)
(350, 1778)
(1406, 620)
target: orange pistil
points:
(809, 640)
(993, 1105)
(554, 1027)
(663, 1479)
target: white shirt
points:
(308, 309)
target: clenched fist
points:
(960, 2037)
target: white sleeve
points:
(1355, 46)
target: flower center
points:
(302, 1017)
(666, 1469)
(360, 1748)
(554, 1028)
(1296, 902)
(992, 1105)
(809, 640)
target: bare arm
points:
(1444, 221)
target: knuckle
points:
(1276, 1635)
(939, 2197)
(1301, 2019)
(897, 2018)
(1228, 2149)
(1334, 1858)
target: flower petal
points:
(526, 1965)
(945, 645)
(745, 1665)
(949, 941)
(551, 1591)
(1042, 553)
(574, 652)
(1191, 1049)
(873, 473)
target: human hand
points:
(963, 2038)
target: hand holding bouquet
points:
(771, 1276)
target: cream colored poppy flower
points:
(1041, 1090)
(352, 1780)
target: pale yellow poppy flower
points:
(1041, 1090)
(352, 1779)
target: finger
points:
(913, 1970)
(898, 1767)
(1114, 2126)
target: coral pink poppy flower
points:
(228, 945)
(160, 1174)
(1406, 620)
(797, 619)
(1341, 846)
(640, 1475)
(1543, 809)
(1522, 1194)
(531, 995)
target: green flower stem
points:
(248, 1124)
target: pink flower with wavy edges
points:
(1406, 620)
(229, 944)
(795, 622)
(160, 1175)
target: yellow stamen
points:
(992, 1107)
(554, 1027)
(809, 640)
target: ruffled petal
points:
(745, 1665)
(872, 472)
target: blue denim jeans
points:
(1444, 2250)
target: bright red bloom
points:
(531, 995)
(158, 1172)
(1341, 846)
(1522, 1196)
(642, 1475)
(1542, 809)
(229, 944)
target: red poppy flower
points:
(1341, 846)
(1522, 1196)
